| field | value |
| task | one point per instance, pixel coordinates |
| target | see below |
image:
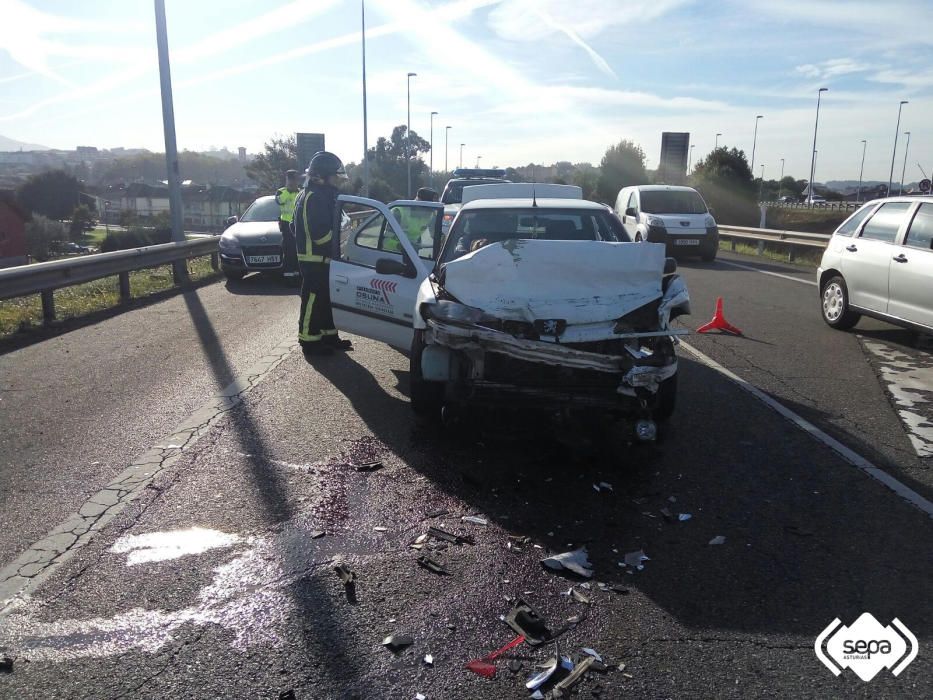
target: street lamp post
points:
(446, 140)
(858, 192)
(717, 141)
(478, 159)
(755, 142)
(781, 181)
(431, 166)
(408, 134)
(819, 94)
(761, 183)
(900, 190)
(365, 124)
(690, 158)
(461, 154)
(894, 152)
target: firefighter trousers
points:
(316, 320)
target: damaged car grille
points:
(509, 370)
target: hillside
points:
(8, 144)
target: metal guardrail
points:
(792, 240)
(842, 206)
(44, 278)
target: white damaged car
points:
(527, 300)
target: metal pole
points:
(408, 134)
(365, 121)
(432, 148)
(761, 184)
(894, 152)
(819, 94)
(755, 143)
(477, 160)
(461, 154)
(168, 124)
(446, 140)
(690, 157)
(717, 141)
(781, 181)
(858, 192)
(900, 190)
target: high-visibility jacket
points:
(313, 222)
(413, 221)
(286, 201)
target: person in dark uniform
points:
(313, 224)
(285, 197)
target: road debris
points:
(420, 696)
(475, 519)
(576, 561)
(718, 539)
(368, 466)
(684, 517)
(316, 534)
(606, 485)
(380, 528)
(547, 670)
(592, 652)
(288, 694)
(427, 562)
(437, 533)
(437, 513)
(397, 642)
(485, 667)
(575, 675)
(635, 559)
(526, 621)
(515, 665)
(666, 512)
(6, 663)
(429, 659)
(579, 597)
(537, 695)
(348, 579)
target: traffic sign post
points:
(925, 185)
(307, 146)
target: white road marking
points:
(767, 272)
(910, 381)
(849, 455)
(162, 546)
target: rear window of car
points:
(920, 234)
(850, 225)
(476, 228)
(453, 193)
(263, 209)
(672, 202)
(885, 222)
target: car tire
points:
(834, 305)
(234, 275)
(427, 398)
(666, 400)
(708, 254)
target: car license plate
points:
(263, 259)
(686, 241)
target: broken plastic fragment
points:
(635, 559)
(576, 561)
(396, 642)
(315, 534)
(718, 539)
(426, 562)
(537, 695)
(347, 577)
(606, 485)
(420, 696)
(429, 659)
(485, 667)
(475, 519)
(368, 466)
(591, 652)
(380, 528)
(579, 597)
(421, 539)
(684, 517)
(576, 674)
(525, 620)
(547, 670)
(449, 536)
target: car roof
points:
(528, 202)
(903, 198)
(664, 188)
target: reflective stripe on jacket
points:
(313, 222)
(286, 202)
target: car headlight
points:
(710, 221)
(229, 244)
(453, 312)
(656, 221)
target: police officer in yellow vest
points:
(416, 223)
(285, 197)
(313, 225)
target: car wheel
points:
(667, 399)
(234, 275)
(427, 398)
(835, 305)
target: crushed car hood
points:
(577, 281)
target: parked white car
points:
(879, 263)
(675, 216)
(534, 301)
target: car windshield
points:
(672, 202)
(476, 228)
(453, 193)
(263, 209)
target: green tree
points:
(622, 165)
(268, 168)
(42, 235)
(388, 167)
(53, 194)
(726, 183)
(81, 220)
(586, 177)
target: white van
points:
(675, 216)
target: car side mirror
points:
(630, 211)
(388, 266)
(670, 266)
(712, 212)
(230, 220)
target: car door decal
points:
(374, 295)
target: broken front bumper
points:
(479, 363)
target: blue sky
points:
(518, 80)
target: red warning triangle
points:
(719, 322)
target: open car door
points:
(379, 262)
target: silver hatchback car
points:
(879, 263)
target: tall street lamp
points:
(761, 183)
(446, 139)
(894, 152)
(755, 142)
(781, 181)
(690, 157)
(858, 192)
(478, 159)
(819, 94)
(900, 190)
(717, 141)
(408, 134)
(461, 154)
(431, 167)
(365, 125)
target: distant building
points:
(205, 208)
(12, 231)
(242, 153)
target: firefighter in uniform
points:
(285, 197)
(313, 225)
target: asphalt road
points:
(248, 605)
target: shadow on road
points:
(262, 285)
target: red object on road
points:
(485, 666)
(719, 322)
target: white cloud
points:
(910, 79)
(833, 68)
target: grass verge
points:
(25, 313)
(803, 257)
